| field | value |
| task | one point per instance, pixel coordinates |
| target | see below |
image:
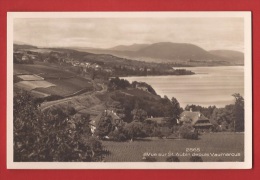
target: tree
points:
(139, 114)
(26, 127)
(48, 136)
(177, 110)
(104, 125)
(173, 159)
(238, 113)
(222, 118)
(196, 159)
(188, 132)
(134, 130)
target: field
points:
(66, 87)
(42, 69)
(30, 77)
(56, 81)
(208, 143)
(29, 85)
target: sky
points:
(208, 33)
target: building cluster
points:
(25, 56)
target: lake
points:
(209, 86)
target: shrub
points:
(117, 135)
(196, 159)
(104, 125)
(134, 130)
(157, 133)
(149, 159)
(188, 132)
(173, 159)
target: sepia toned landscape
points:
(117, 90)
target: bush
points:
(188, 132)
(149, 159)
(157, 133)
(104, 125)
(116, 135)
(173, 159)
(134, 130)
(196, 159)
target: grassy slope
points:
(209, 143)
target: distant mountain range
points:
(233, 56)
(169, 52)
(166, 52)
(23, 46)
(133, 47)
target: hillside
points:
(168, 52)
(175, 51)
(133, 47)
(234, 56)
(24, 46)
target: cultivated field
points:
(29, 85)
(208, 143)
(53, 80)
(44, 70)
(66, 87)
(30, 77)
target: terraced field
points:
(30, 85)
(54, 81)
(66, 87)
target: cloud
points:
(209, 33)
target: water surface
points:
(209, 86)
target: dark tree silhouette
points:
(104, 125)
(238, 113)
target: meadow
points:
(162, 148)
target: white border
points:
(247, 164)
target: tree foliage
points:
(139, 115)
(116, 83)
(222, 118)
(134, 130)
(49, 136)
(104, 125)
(239, 113)
(188, 132)
(231, 117)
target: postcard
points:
(129, 90)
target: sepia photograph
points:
(129, 90)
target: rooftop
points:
(192, 117)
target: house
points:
(116, 120)
(25, 58)
(141, 87)
(196, 119)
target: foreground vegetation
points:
(55, 135)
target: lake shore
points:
(208, 86)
